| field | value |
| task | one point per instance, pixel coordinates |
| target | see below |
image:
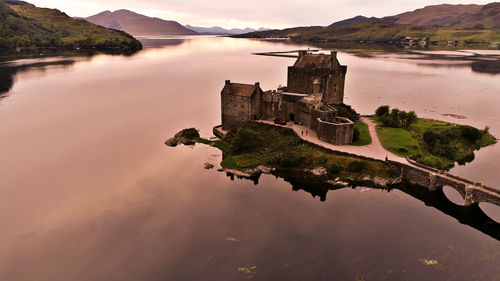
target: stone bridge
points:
(472, 193)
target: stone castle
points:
(315, 83)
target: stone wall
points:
(412, 174)
(286, 107)
(339, 133)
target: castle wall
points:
(236, 110)
(286, 107)
(336, 133)
(334, 93)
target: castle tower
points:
(325, 68)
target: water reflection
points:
(480, 63)
(472, 216)
(8, 71)
(14, 63)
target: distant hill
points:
(378, 31)
(282, 33)
(487, 17)
(443, 15)
(24, 25)
(457, 16)
(137, 24)
(216, 30)
(388, 31)
(355, 20)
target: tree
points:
(382, 111)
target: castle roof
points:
(317, 60)
(240, 89)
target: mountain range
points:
(456, 16)
(217, 30)
(23, 25)
(139, 25)
(438, 24)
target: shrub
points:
(382, 111)
(334, 169)
(190, 133)
(347, 111)
(245, 140)
(355, 135)
(289, 159)
(430, 138)
(471, 134)
(356, 166)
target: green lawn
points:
(364, 135)
(402, 141)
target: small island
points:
(305, 128)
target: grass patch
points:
(282, 148)
(434, 143)
(364, 137)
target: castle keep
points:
(315, 82)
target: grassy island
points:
(433, 143)
(256, 144)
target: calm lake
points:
(89, 191)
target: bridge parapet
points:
(432, 179)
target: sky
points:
(249, 13)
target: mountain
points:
(354, 20)
(457, 16)
(487, 17)
(379, 31)
(24, 25)
(443, 15)
(216, 30)
(137, 24)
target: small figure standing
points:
(307, 132)
(302, 132)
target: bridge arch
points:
(453, 195)
(490, 210)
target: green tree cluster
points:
(396, 118)
(347, 111)
(445, 143)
